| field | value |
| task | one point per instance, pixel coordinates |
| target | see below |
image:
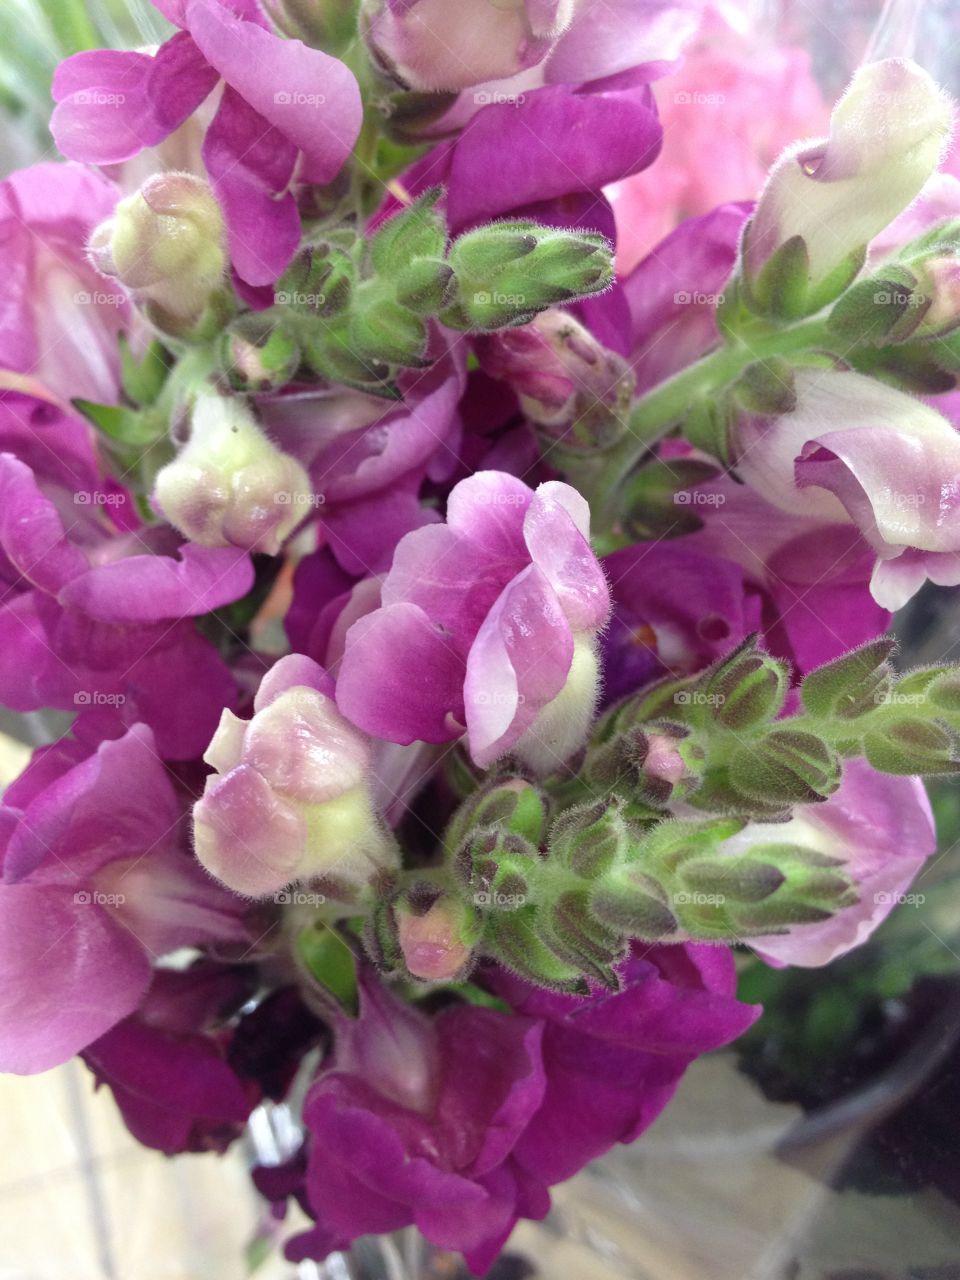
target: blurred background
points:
(826, 1144)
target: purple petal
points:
(251, 165)
(312, 99)
(609, 36)
(292, 672)
(148, 588)
(112, 105)
(508, 154)
(557, 531)
(32, 535)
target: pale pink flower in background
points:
(727, 114)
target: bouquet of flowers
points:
(470, 639)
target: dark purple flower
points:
(167, 1064)
(287, 114)
(459, 1122)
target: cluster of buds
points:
(359, 309)
(166, 244)
(229, 485)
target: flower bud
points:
(825, 200)
(290, 797)
(507, 272)
(166, 244)
(257, 354)
(437, 943)
(568, 383)
(229, 485)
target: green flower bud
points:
(319, 282)
(852, 685)
(257, 354)
(229, 485)
(786, 767)
(746, 688)
(508, 271)
(912, 746)
(166, 244)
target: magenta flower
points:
(95, 616)
(60, 319)
(95, 886)
(488, 624)
(288, 114)
(881, 828)
(461, 1122)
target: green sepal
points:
(910, 745)
(330, 961)
(133, 427)
(852, 685)
(879, 310)
(767, 387)
(786, 767)
(513, 938)
(426, 286)
(418, 231)
(143, 380)
(746, 688)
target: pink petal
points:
(518, 663)
(68, 973)
(400, 678)
(246, 836)
(147, 588)
(558, 542)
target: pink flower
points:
(288, 114)
(289, 798)
(488, 623)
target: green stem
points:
(659, 411)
